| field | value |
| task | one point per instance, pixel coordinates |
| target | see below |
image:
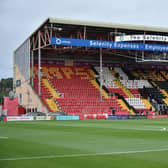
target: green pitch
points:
(84, 144)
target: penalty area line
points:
(83, 155)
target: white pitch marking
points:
(132, 129)
(82, 155)
(2, 137)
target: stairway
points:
(96, 85)
(50, 88)
(148, 104)
(164, 92)
(52, 104)
(125, 107)
(166, 95)
(92, 74)
(124, 89)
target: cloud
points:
(20, 18)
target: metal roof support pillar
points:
(84, 33)
(39, 64)
(143, 54)
(101, 77)
(32, 71)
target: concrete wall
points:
(30, 99)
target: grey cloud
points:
(19, 18)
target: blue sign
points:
(67, 117)
(108, 44)
(117, 117)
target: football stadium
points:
(87, 94)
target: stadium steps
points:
(125, 107)
(124, 89)
(163, 85)
(166, 96)
(165, 74)
(50, 88)
(52, 105)
(45, 70)
(147, 104)
(96, 85)
(165, 101)
(67, 72)
(164, 92)
(55, 72)
(153, 75)
(92, 73)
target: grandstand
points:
(82, 80)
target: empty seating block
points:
(76, 93)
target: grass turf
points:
(57, 141)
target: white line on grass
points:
(123, 128)
(3, 137)
(82, 155)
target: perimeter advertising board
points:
(67, 117)
(137, 117)
(157, 116)
(117, 117)
(125, 117)
(43, 118)
(11, 118)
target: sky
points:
(19, 18)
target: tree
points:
(6, 85)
